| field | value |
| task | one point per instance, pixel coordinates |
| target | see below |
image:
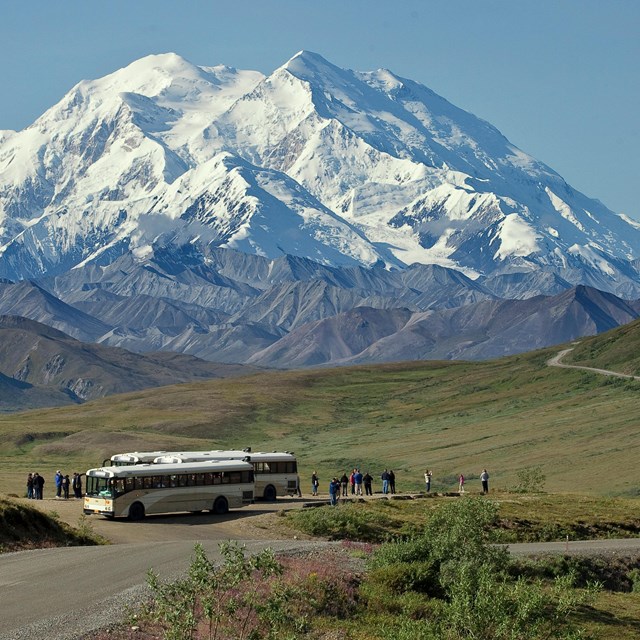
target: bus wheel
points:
(136, 511)
(220, 506)
(269, 493)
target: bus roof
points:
(193, 456)
(135, 456)
(208, 466)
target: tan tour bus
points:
(134, 491)
(275, 472)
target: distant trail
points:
(556, 362)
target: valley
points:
(506, 415)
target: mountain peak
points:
(148, 76)
(168, 62)
(311, 66)
(362, 166)
(308, 58)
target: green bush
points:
(615, 574)
(400, 577)
(479, 598)
(343, 522)
(634, 578)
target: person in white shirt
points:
(427, 479)
(484, 478)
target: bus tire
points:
(136, 511)
(220, 506)
(270, 493)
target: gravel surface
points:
(71, 593)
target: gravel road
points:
(64, 593)
(60, 594)
(556, 361)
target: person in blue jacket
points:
(334, 491)
(59, 478)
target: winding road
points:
(556, 361)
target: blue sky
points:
(559, 78)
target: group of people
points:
(484, 480)
(356, 484)
(35, 485)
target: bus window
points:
(129, 484)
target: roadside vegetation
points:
(442, 580)
(25, 527)
(532, 517)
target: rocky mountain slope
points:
(40, 366)
(483, 330)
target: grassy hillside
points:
(505, 415)
(23, 526)
(618, 350)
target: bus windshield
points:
(98, 486)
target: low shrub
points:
(250, 598)
(614, 574)
(400, 577)
(343, 522)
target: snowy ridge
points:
(337, 166)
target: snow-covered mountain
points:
(341, 167)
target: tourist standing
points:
(76, 485)
(58, 483)
(484, 479)
(315, 483)
(38, 486)
(461, 483)
(392, 481)
(66, 482)
(427, 479)
(357, 478)
(367, 479)
(384, 476)
(30, 486)
(334, 491)
(344, 483)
